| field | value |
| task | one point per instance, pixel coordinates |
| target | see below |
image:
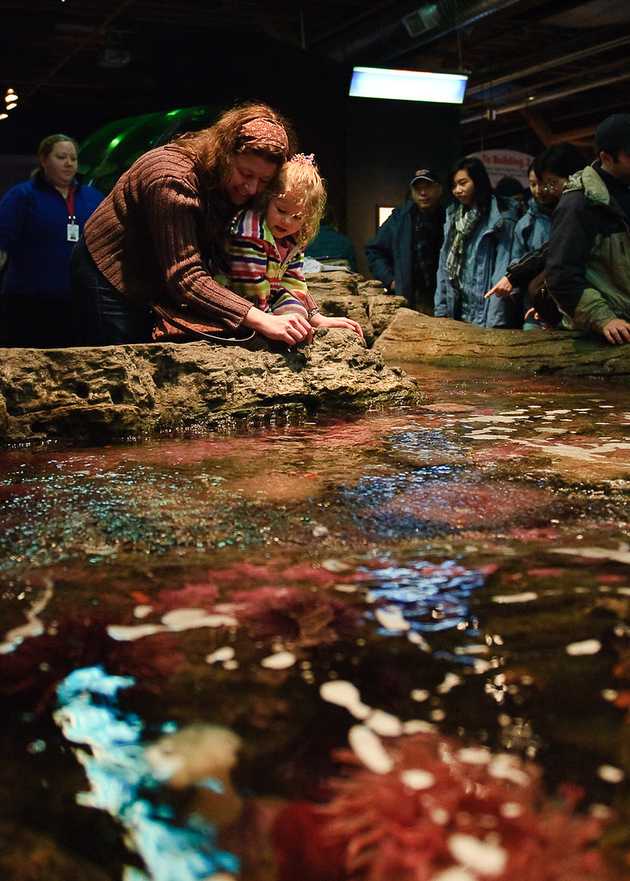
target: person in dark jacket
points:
(588, 261)
(404, 253)
(40, 221)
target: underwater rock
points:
(446, 343)
(31, 855)
(118, 391)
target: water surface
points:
(194, 627)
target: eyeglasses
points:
(551, 188)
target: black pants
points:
(103, 317)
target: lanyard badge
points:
(72, 234)
(72, 228)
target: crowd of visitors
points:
(205, 238)
(558, 259)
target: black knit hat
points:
(613, 134)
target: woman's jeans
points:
(103, 317)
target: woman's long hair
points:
(213, 150)
(479, 176)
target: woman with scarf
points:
(478, 235)
(146, 264)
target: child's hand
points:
(319, 320)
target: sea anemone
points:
(445, 812)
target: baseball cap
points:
(424, 174)
(613, 134)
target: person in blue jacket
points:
(404, 253)
(40, 222)
(548, 175)
(476, 252)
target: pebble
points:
(486, 859)
(369, 750)
(586, 647)
(610, 774)
(279, 661)
(415, 778)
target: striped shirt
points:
(260, 270)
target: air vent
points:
(422, 20)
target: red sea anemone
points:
(448, 813)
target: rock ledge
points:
(118, 391)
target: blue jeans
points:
(103, 316)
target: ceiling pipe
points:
(492, 113)
(96, 34)
(474, 13)
(373, 29)
(546, 65)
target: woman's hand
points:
(503, 288)
(617, 331)
(290, 329)
(319, 320)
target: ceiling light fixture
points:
(408, 85)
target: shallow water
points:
(465, 565)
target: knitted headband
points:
(264, 135)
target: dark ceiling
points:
(540, 70)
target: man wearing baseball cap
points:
(588, 264)
(404, 253)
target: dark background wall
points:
(387, 142)
(234, 67)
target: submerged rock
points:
(443, 342)
(117, 391)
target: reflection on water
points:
(218, 653)
(124, 776)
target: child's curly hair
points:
(300, 179)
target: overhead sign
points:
(505, 163)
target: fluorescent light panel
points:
(408, 85)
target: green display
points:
(111, 149)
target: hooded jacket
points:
(588, 258)
(531, 231)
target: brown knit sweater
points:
(146, 237)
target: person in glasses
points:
(548, 174)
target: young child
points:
(266, 246)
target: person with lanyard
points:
(40, 222)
